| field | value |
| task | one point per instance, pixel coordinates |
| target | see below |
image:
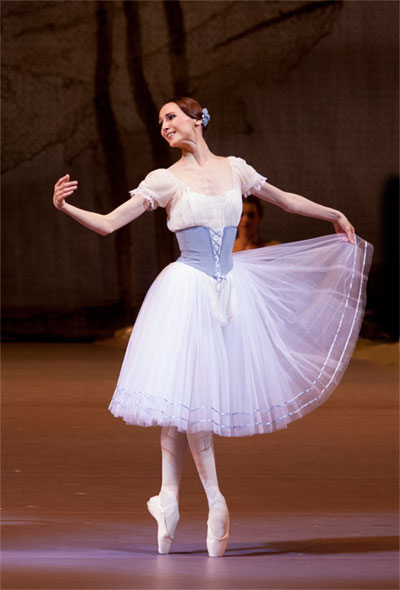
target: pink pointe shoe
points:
(167, 516)
(216, 545)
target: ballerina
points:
(228, 344)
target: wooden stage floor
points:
(312, 507)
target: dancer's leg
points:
(202, 448)
(164, 507)
(173, 450)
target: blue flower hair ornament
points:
(205, 117)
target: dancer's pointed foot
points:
(217, 527)
(166, 514)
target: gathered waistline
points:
(208, 250)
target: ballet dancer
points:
(233, 345)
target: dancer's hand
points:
(62, 189)
(343, 225)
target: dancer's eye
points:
(169, 117)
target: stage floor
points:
(312, 507)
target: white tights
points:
(173, 449)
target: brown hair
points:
(255, 201)
(191, 107)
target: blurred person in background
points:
(248, 236)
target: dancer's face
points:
(250, 219)
(176, 127)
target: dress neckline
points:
(205, 194)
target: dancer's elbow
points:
(108, 225)
(289, 203)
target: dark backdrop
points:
(306, 92)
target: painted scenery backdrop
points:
(306, 92)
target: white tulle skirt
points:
(267, 349)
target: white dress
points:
(240, 343)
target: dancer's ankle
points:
(169, 492)
(214, 495)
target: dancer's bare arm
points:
(293, 203)
(102, 224)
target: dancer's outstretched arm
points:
(293, 203)
(102, 224)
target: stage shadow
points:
(310, 546)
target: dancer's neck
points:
(196, 153)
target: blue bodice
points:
(208, 250)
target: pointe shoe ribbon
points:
(216, 545)
(167, 518)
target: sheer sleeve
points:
(250, 180)
(157, 188)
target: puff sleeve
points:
(250, 180)
(157, 188)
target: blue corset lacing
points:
(208, 250)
